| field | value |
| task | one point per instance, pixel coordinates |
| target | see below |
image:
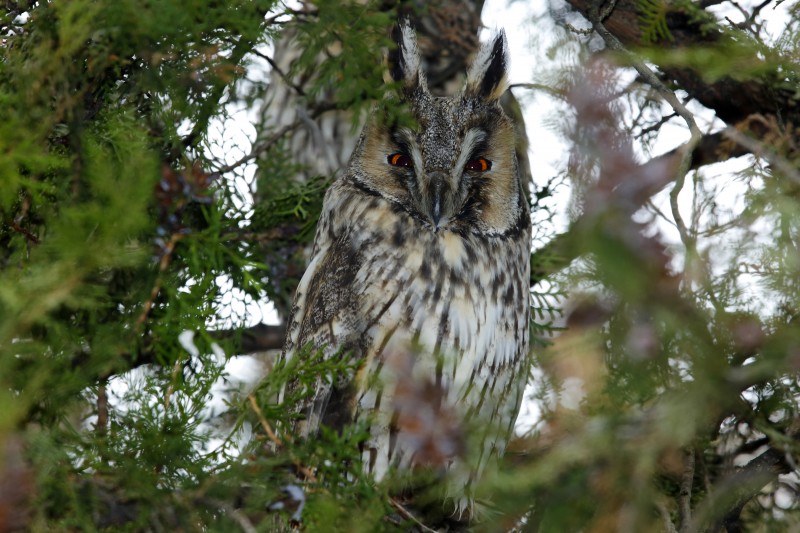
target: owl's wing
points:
(324, 316)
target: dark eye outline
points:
(479, 164)
(399, 159)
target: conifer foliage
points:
(135, 242)
(126, 248)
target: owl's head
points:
(455, 169)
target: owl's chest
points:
(446, 297)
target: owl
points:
(419, 276)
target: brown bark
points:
(733, 100)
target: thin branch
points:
(709, 3)
(28, 235)
(277, 233)
(724, 503)
(274, 18)
(686, 239)
(686, 156)
(261, 147)
(657, 212)
(263, 421)
(657, 126)
(538, 87)
(759, 149)
(254, 339)
(604, 14)
(750, 18)
(307, 473)
(405, 513)
(281, 73)
(733, 99)
(258, 338)
(559, 252)
(669, 527)
(741, 10)
(212, 100)
(163, 263)
(270, 141)
(649, 76)
(579, 31)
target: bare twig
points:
(166, 257)
(405, 513)
(538, 87)
(299, 90)
(669, 527)
(750, 18)
(559, 252)
(649, 76)
(261, 147)
(28, 235)
(307, 472)
(687, 240)
(709, 3)
(608, 9)
(258, 338)
(657, 126)
(263, 421)
(579, 31)
(686, 156)
(759, 149)
(270, 141)
(274, 18)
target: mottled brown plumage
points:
(420, 272)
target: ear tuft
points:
(404, 58)
(488, 76)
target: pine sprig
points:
(653, 20)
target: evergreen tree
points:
(138, 236)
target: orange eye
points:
(400, 160)
(479, 164)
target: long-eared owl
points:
(420, 272)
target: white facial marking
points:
(471, 139)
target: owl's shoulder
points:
(366, 216)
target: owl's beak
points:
(436, 207)
(438, 190)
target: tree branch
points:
(733, 100)
(267, 143)
(560, 251)
(760, 149)
(724, 504)
(258, 338)
(211, 102)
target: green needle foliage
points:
(115, 230)
(136, 243)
